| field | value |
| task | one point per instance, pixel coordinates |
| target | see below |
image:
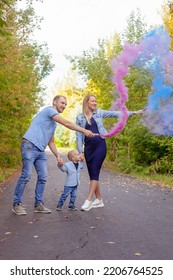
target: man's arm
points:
(72, 125)
(54, 150)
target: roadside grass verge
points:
(161, 179)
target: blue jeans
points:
(31, 155)
(68, 190)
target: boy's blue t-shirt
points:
(42, 128)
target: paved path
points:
(136, 222)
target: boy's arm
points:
(62, 167)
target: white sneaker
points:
(97, 203)
(86, 206)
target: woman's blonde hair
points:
(85, 110)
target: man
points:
(37, 137)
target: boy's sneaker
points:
(72, 207)
(58, 208)
(86, 206)
(97, 203)
(19, 210)
(42, 209)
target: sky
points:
(72, 26)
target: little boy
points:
(72, 168)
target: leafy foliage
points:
(167, 17)
(70, 89)
(136, 27)
(94, 67)
(23, 65)
(5, 5)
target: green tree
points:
(5, 5)
(167, 17)
(136, 27)
(94, 68)
(70, 88)
(23, 66)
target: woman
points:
(95, 147)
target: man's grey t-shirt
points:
(42, 128)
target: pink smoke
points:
(120, 68)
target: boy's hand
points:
(82, 158)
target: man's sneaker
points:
(58, 208)
(97, 203)
(42, 209)
(18, 210)
(72, 207)
(86, 206)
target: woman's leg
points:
(94, 160)
(98, 192)
(94, 188)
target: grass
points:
(6, 173)
(161, 179)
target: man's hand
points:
(59, 161)
(88, 133)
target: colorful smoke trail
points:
(158, 59)
(153, 54)
(120, 68)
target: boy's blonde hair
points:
(70, 154)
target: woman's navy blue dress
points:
(94, 151)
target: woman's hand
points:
(139, 112)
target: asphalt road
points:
(135, 224)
